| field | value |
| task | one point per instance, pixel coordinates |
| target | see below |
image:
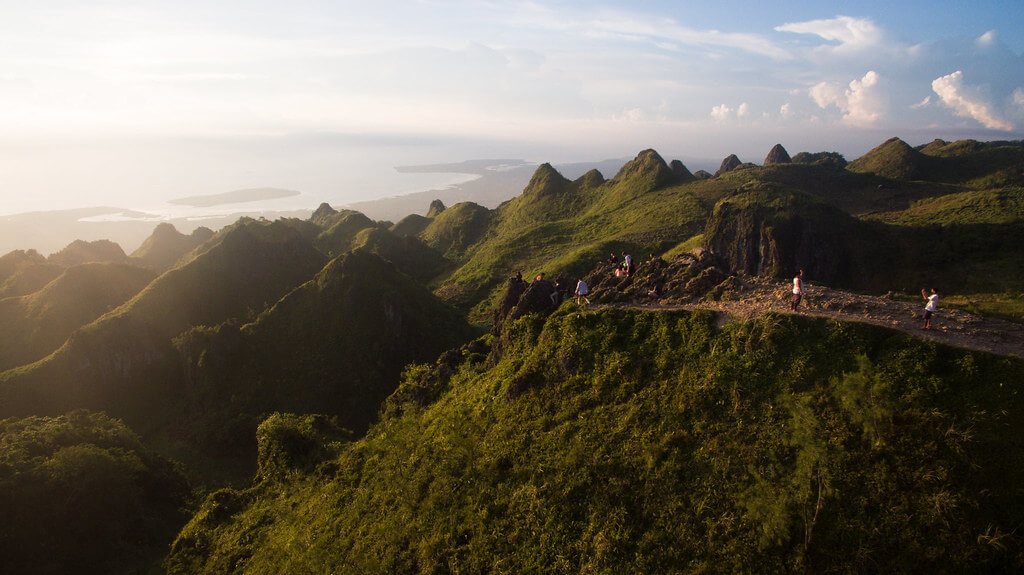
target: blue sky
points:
(559, 81)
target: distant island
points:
(235, 197)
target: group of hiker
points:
(626, 267)
(929, 308)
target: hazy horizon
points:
(132, 105)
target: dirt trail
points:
(949, 326)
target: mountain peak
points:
(680, 170)
(777, 155)
(647, 163)
(324, 215)
(546, 180)
(893, 159)
(730, 163)
(436, 207)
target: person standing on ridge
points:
(929, 308)
(581, 292)
(798, 290)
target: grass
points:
(623, 441)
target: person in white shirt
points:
(581, 292)
(798, 290)
(929, 308)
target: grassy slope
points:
(124, 362)
(335, 345)
(37, 324)
(654, 443)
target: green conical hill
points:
(80, 252)
(335, 345)
(457, 228)
(338, 238)
(410, 255)
(894, 159)
(411, 225)
(650, 442)
(37, 324)
(166, 245)
(324, 215)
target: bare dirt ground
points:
(949, 326)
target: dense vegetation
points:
(633, 442)
(80, 493)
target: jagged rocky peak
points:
(729, 164)
(681, 172)
(777, 155)
(436, 207)
(647, 164)
(323, 215)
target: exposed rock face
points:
(680, 171)
(776, 240)
(515, 290)
(436, 207)
(729, 164)
(777, 155)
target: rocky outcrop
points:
(436, 207)
(777, 155)
(703, 175)
(681, 172)
(730, 163)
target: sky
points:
(117, 99)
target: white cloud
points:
(849, 33)
(988, 39)
(1018, 97)
(863, 103)
(721, 112)
(742, 111)
(923, 103)
(967, 101)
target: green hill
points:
(622, 441)
(37, 324)
(335, 346)
(457, 229)
(166, 245)
(123, 363)
(80, 252)
(24, 272)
